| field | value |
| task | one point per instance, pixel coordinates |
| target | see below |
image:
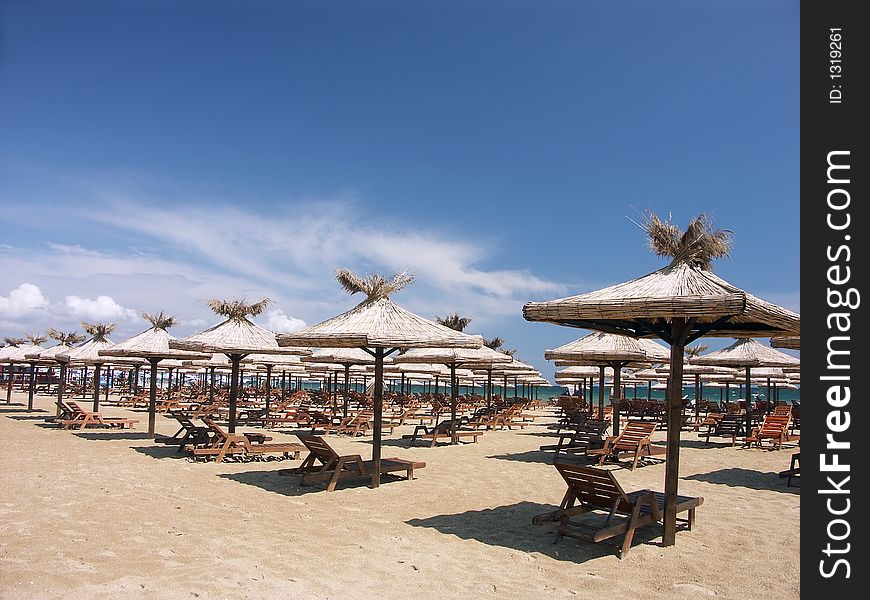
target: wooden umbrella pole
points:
(697, 397)
(108, 383)
(152, 397)
(378, 412)
(32, 384)
(234, 389)
(268, 391)
(346, 390)
(454, 389)
(748, 403)
(61, 385)
(616, 400)
(679, 331)
(489, 389)
(11, 369)
(97, 387)
(601, 392)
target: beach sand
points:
(109, 514)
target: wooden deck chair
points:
(635, 438)
(440, 432)
(588, 436)
(325, 464)
(591, 489)
(794, 470)
(187, 434)
(227, 444)
(82, 418)
(730, 426)
(774, 429)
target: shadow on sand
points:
(747, 478)
(111, 434)
(288, 485)
(511, 527)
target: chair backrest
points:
(782, 409)
(634, 432)
(318, 447)
(730, 423)
(183, 419)
(217, 429)
(594, 487)
(76, 408)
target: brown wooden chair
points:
(82, 418)
(325, 464)
(228, 444)
(635, 438)
(774, 429)
(440, 432)
(591, 489)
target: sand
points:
(108, 514)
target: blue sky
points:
(154, 154)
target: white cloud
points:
(23, 300)
(100, 309)
(279, 322)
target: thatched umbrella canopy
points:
(11, 346)
(381, 328)
(483, 358)
(18, 354)
(678, 303)
(347, 358)
(236, 337)
(609, 350)
(66, 340)
(152, 345)
(787, 342)
(88, 353)
(747, 353)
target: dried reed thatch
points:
(237, 309)
(747, 352)
(340, 356)
(98, 331)
(374, 286)
(607, 348)
(35, 340)
(153, 343)
(160, 320)
(236, 335)
(482, 357)
(787, 342)
(698, 245)
(685, 288)
(68, 338)
(377, 322)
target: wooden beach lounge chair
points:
(591, 489)
(794, 471)
(730, 426)
(774, 429)
(589, 436)
(188, 433)
(82, 418)
(635, 438)
(439, 432)
(227, 444)
(324, 464)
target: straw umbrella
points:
(347, 358)
(12, 345)
(452, 358)
(611, 350)
(679, 303)
(152, 345)
(88, 353)
(379, 327)
(236, 337)
(787, 342)
(18, 354)
(747, 353)
(66, 340)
